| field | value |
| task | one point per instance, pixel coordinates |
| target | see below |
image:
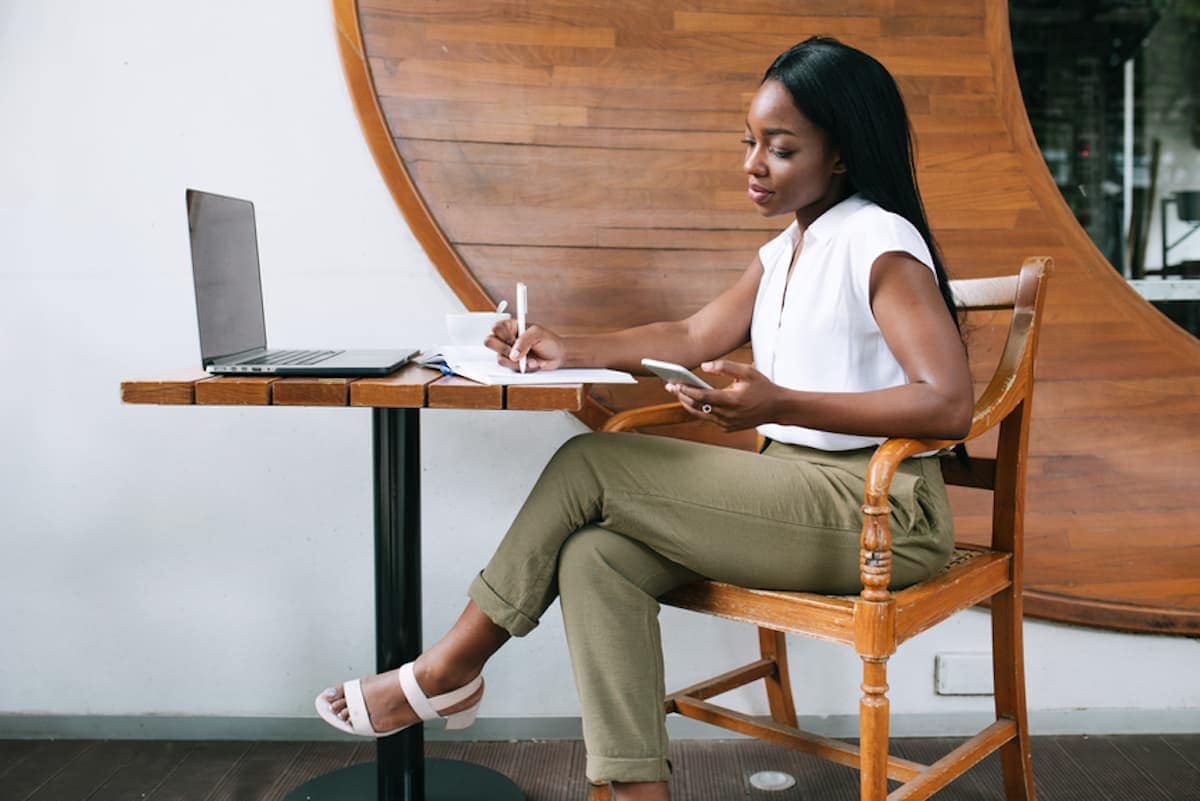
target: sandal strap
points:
(447, 700)
(430, 708)
(415, 695)
(360, 721)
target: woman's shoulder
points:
(869, 216)
(871, 228)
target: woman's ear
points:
(839, 166)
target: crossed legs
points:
(613, 522)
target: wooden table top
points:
(410, 387)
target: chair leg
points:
(773, 645)
(1008, 669)
(873, 714)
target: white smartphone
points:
(675, 373)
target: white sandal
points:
(426, 708)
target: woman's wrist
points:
(786, 406)
(572, 354)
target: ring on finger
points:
(706, 408)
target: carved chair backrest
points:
(1007, 398)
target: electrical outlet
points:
(963, 674)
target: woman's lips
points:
(758, 194)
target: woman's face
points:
(792, 167)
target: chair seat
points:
(973, 574)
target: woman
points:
(854, 339)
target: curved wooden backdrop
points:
(591, 149)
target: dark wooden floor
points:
(1096, 768)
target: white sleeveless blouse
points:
(825, 338)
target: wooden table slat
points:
(403, 389)
(545, 396)
(411, 387)
(236, 390)
(460, 393)
(311, 391)
(171, 388)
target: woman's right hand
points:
(542, 348)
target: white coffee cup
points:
(472, 328)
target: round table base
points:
(445, 780)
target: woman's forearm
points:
(721, 326)
(625, 349)
(917, 410)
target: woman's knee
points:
(593, 555)
(583, 554)
(581, 448)
(585, 468)
(594, 558)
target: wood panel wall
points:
(591, 149)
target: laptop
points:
(233, 332)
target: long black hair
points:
(855, 100)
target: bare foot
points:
(386, 705)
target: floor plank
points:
(84, 774)
(1187, 746)
(1066, 768)
(150, 765)
(1107, 766)
(14, 752)
(1060, 777)
(313, 760)
(365, 752)
(255, 773)
(40, 767)
(1161, 765)
(204, 766)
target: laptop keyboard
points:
(294, 357)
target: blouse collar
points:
(830, 220)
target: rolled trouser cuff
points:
(498, 610)
(624, 769)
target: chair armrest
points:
(658, 415)
(875, 542)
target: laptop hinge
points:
(241, 355)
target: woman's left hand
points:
(749, 401)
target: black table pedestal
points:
(401, 773)
(445, 780)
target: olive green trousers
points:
(615, 520)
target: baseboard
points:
(168, 727)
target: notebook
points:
(479, 364)
(229, 306)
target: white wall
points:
(143, 572)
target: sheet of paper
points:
(479, 364)
(452, 354)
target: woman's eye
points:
(776, 152)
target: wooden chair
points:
(876, 621)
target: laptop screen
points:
(225, 269)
